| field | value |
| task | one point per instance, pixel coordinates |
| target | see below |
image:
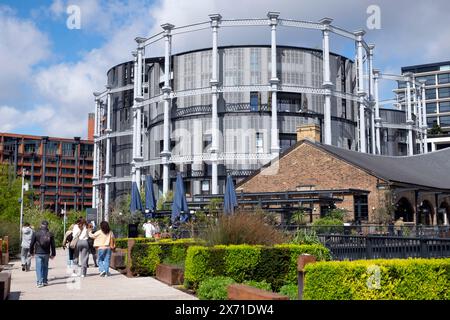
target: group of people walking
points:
(80, 240)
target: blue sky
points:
(51, 71)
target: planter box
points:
(5, 285)
(171, 275)
(5, 258)
(118, 259)
(244, 292)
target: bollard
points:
(302, 261)
(1, 251)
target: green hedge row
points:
(122, 243)
(277, 265)
(145, 256)
(408, 279)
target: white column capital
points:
(326, 22)
(140, 40)
(359, 35)
(215, 19)
(376, 74)
(273, 17)
(167, 27)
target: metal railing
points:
(345, 247)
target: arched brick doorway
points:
(404, 209)
(426, 213)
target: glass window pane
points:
(444, 93)
(445, 121)
(431, 108)
(444, 78)
(444, 106)
(430, 94)
(431, 121)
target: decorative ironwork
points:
(300, 24)
(244, 22)
(181, 112)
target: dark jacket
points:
(35, 246)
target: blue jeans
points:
(42, 268)
(104, 257)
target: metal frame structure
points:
(367, 98)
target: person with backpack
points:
(43, 247)
(27, 234)
(92, 250)
(105, 242)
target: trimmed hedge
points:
(145, 256)
(216, 288)
(408, 279)
(122, 243)
(277, 265)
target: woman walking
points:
(80, 231)
(104, 241)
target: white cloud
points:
(22, 46)
(13, 118)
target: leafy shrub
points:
(214, 288)
(10, 229)
(122, 243)
(328, 225)
(242, 228)
(277, 265)
(290, 290)
(305, 236)
(145, 256)
(408, 279)
(263, 285)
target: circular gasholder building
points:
(229, 110)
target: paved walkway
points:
(93, 287)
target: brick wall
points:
(310, 165)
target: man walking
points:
(43, 245)
(27, 234)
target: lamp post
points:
(65, 215)
(24, 187)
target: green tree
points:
(436, 129)
(10, 187)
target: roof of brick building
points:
(428, 170)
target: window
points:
(444, 107)
(401, 84)
(444, 93)
(205, 187)
(255, 66)
(361, 208)
(259, 142)
(444, 78)
(430, 80)
(254, 101)
(431, 108)
(444, 121)
(431, 121)
(430, 94)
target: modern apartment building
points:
(437, 94)
(59, 170)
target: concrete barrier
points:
(5, 285)
(171, 275)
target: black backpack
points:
(45, 239)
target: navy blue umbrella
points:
(229, 199)
(179, 206)
(150, 201)
(136, 204)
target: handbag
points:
(112, 242)
(74, 242)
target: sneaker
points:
(45, 284)
(40, 285)
(82, 276)
(23, 267)
(102, 274)
(74, 275)
(107, 275)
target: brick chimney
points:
(91, 123)
(309, 131)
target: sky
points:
(49, 71)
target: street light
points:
(25, 187)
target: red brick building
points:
(418, 186)
(59, 170)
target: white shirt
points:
(83, 234)
(150, 230)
